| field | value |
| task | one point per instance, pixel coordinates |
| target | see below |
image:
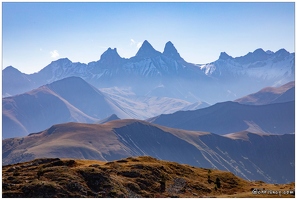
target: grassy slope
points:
(131, 177)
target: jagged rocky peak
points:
(225, 56)
(110, 54)
(171, 51)
(147, 50)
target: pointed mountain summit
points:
(260, 54)
(71, 99)
(111, 59)
(14, 82)
(225, 56)
(171, 51)
(108, 119)
(110, 55)
(11, 69)
(147, 50)
(56, 64)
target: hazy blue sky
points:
(34, 34)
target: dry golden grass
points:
(131, 177)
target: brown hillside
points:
(132, 177)
(270, 95)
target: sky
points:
(35, 34)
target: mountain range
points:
(74, 100)
(234, 114)
(269, 111)
(241, 154)
(166, 74)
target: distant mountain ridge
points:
(166, 74)
(270, 110)
(255, 62)
(270, 95)
(74, 100)
(229, 117)
(70, 99)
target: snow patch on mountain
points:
(259, 64)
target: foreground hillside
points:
(240, 153)
(131, 177)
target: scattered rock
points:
(94, 165)
(122, 161)
(130, 174)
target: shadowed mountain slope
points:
(36, 110)
(15, 82)
(74, 100)
(230, 117)
(123, 138)
(70, 99)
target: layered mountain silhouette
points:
(166, 74)
(70, 99)
(74, 100)
(72, 110)
(231, 117)
(123, 138)
(21, 82)
(270, 110)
